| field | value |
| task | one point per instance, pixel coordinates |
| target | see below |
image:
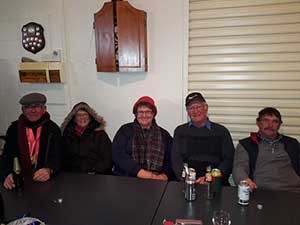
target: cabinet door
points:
(132, 38)
(104, 35)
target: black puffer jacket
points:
(50, 147)
(91, 152)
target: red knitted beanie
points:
(145, 100)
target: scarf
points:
(79, 130)
(23, 142)
(148, 147)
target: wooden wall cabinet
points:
(121, 38)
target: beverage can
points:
(216, 172)
(243, 193)
(216, 180)
(192, 174)
(190, 190)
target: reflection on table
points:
(278, 208)
(81, 199)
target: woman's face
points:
(82, 118)
(144, 116)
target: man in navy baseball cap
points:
(201, 143)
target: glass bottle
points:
(17, 175)
(183, 175)
(208, 179)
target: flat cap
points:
(33, 98)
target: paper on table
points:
(183, 222)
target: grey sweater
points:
(273, 169)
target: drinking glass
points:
(221, 217)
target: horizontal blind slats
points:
(271, 9)
(246, 21)
(244, 55)
(242, 58)
(287, 103)
(251, 85)
(246, 30)
(209, 4)
(251, 111)
(246, 49)
(244, 40)
(245, 76)
(238, 67)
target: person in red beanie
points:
(142, 148)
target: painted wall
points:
(69, 28)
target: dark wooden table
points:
(278, 208)
(87, 200)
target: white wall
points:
(68, 26)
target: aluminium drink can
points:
(243, 193)
(190, 190)
(216, 172)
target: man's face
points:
(197, 112)
(268, 126)
(144, 116)
(34, 112)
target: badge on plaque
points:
(33, 39)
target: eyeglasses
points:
(147, 113)
(81, 114)
(33, 106)
(275, 122)
(196, 107)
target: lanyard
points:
(33, 144)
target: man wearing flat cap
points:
(34, 139)
(201, 142)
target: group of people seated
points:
(266, 159)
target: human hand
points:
(145, 174)
(42, 175)
(161, 176)
(251, 184)
(201, 180)
(9, 182)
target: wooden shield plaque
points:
(33, 39)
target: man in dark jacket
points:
(268, 159)
(201, 142)
(34, 139)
